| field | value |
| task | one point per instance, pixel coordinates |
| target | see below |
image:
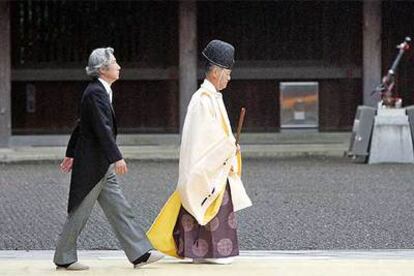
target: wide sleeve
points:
(204, 155)
(99, 112)
(213, 138)
(202, 130)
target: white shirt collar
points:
(107, 88)
(210, 87)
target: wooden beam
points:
(296, 73)
(371, 71)
(245, 72)
(5, 67)
(187, 54)
(59, 74)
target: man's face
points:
(111, 73)
(223, 78)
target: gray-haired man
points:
(92, 155)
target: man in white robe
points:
(209, 173)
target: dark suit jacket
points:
(92, 143)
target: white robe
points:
(207, 153)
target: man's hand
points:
(66, 165)
(238, 148)
(121, 167)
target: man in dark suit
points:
(93, 156)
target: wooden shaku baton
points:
(240, 125)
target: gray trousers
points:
(107, 192)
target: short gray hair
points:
(99, 58)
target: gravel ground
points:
(299, 204)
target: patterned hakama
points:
(217, 239)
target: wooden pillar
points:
(188, 54)
(371, 72)
(5, 72)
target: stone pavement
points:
(166, 146)
(283, 263)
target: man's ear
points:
(215, 72)
(101, 71)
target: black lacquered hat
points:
(219, 53)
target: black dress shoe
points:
(148, 258)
